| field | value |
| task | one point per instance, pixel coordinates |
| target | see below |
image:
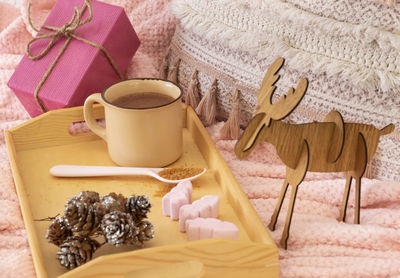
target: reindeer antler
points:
(271, 77)
(287, 103)
(267, 111)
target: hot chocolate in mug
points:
(143, 122)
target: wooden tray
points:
(35, 146)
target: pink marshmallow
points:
(193, 228)
(178, 196)
(206, 207)
(202, 208)
(176, 202)
(212, 209)
(187, 187)
(187, 212)
(207, 227)
(166, 208)
(203, 228)
(225, 230)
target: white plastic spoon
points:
(99, 171)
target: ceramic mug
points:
(139, 137)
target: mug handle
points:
(89, 118)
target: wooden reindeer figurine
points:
(328, 146)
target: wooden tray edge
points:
(26, 214)
(223, 255)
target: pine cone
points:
(83, 217)
(113, 202)
(118, 227)
(146, 232)
(89, 197)
(58, 231)
(76, 251)
(138, 206)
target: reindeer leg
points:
(295, 177)
(275, 215)
(358, 198)
(342, 216)
(361, 165)
(285, 234)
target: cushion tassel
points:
(192, 95)
(389, 2)
(368, 171)
(173, 72)
(164, 66)
(231, 128)
(207, 108)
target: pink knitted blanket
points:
(319, 246)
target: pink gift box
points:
(82, 69)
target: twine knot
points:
(67, 31)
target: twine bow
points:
(67, 31)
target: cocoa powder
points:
(179, 173)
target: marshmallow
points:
(187, 212)
(206, 207)
(180, 195)
(177, 200)
(185, 187)
(203, 228)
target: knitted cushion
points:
(348, 50)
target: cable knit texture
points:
(319, 246)
(348, 49)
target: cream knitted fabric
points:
(347, 49)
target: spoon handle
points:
(98, 171)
